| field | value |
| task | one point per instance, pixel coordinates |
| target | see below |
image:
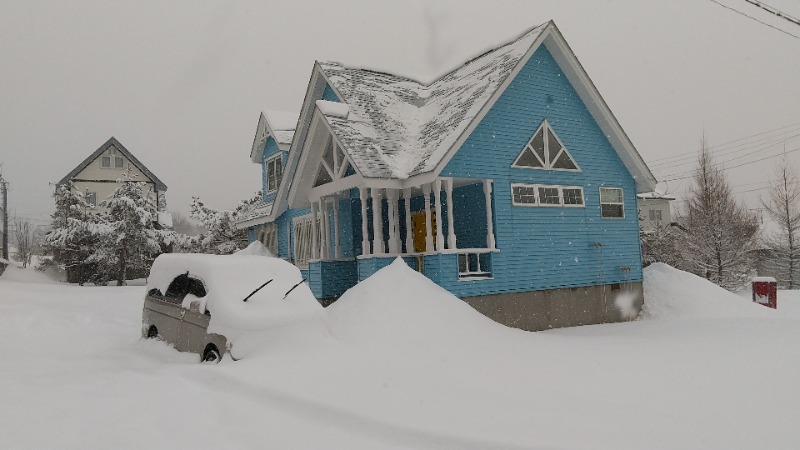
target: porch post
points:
(394, 242)
(314, 244)
(438, 198)
(409, 230)
(451, 230)
(362, 192)
(377, 223)
(426, 189)
(487, 191)
(337, 248)
(326, 229)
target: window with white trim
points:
(546, 195)
(545, 151)
(303, 240)
(273, 171)
(524, 194)
(612, 203)
(474, 265)
(91, 198)
(110, 157)
(268, 235)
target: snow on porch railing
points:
(475, 264)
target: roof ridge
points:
(449, 72)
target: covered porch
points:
(443, 228)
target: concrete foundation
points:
(568, 307)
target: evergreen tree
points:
(74, 234)
(131, 240)
(783, 208)
(720, 233)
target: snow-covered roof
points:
(257, 210)
(398, 127)
(655, 195)
(278, 124)
(160, 186)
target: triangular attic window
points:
(545, 151)
(322, 177)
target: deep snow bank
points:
(256, 248)
(670, 293)
(400, 305)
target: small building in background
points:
(654, 210)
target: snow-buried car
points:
(206, 303)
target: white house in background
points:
(96, 177)
(654, 210)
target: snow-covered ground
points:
(402, 364)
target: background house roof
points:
(113, 141)
(398, 127)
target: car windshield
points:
(184, 284)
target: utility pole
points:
(4, 200)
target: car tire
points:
(211, 355)
(152, 332)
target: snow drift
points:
(398, 305)
(670, 293)
(256, 248)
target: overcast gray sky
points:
(181, 83)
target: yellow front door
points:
(418, 220)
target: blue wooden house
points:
(507, 181)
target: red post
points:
(765, 292)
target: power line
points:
(738, 165)
(753, 151)
(753, 18)
(775, 11)
(725, 144)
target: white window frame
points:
(479, 274)
(525, 185)
(549, 205)
(268, 235)
(121, 161)
(103, 161)
(572, 205)
(302, 240)
(546, 164)
(622, 203)
(539, 203)
(267, 162)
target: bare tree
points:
(24, 237)
(720, 233)
(783, 208)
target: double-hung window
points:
(612, 203)
(269, 237)
(274, 170)
(106, 160)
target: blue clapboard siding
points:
(270, 150)
(329, 95)
(368, 266)
(545, 248)
(330, 279)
